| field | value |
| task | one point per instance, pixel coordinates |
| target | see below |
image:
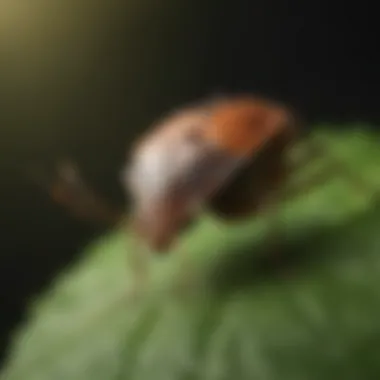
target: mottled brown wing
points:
(252, 187)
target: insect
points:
(228, 155)
(194, 158)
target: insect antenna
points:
(66, 187)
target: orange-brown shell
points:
(219, 133)
(242, 125)
(262, 131)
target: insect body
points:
(196, 158)
(228, 155)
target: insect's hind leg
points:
(332, 166)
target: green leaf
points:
(311, 315)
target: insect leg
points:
(334, 166)
(186, 272)
(139, 258)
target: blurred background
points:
(81, 79)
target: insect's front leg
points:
(186, 271)
(139, 259)
(185, 276)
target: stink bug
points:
(191, 158)
(228, 155)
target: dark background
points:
(81, 79)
